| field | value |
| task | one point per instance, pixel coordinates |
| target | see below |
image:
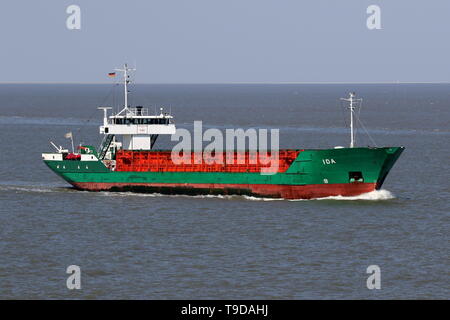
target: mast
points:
(353, 102)
(352, 134)
(126, 81)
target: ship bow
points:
(392, 154)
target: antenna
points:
(353, 102)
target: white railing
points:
(139, 111)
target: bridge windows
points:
(141, 121)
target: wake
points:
(371, 196)
(377, 195)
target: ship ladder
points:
(105, 145)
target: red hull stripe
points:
(259, 190)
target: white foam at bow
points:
(373, 195)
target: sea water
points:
(153, 246)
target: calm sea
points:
(137, 246)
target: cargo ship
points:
(127, 161)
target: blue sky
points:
(222, 41)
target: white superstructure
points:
(132, 128)
(138, 129)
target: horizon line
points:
(225, 83)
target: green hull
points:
(326, 167)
